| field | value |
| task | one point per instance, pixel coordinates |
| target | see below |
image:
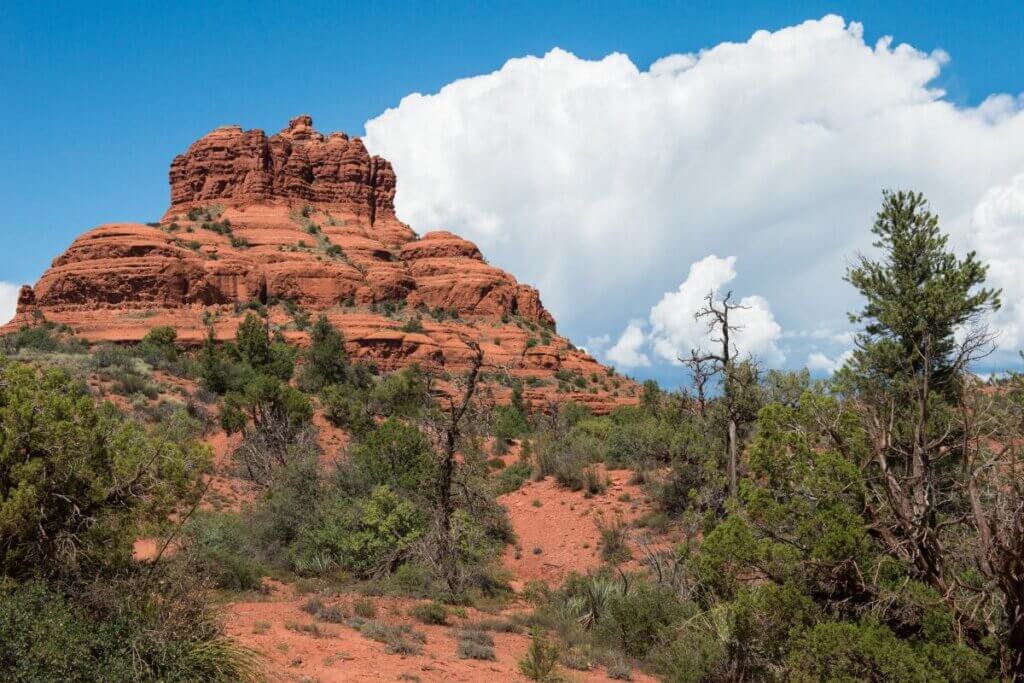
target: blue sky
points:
(98, 97)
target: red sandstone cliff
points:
(303, 221)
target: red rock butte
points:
(304, 223)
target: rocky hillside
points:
(301, 224)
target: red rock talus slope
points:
(302, 223)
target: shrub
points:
(412, 578)
(639, 619)
(620, 671)
(255, 349)
(287, 505)
(476, 635)
(498, 625)
(576, 659)
(541, 660)
(158, 347)
(346, 406)
(470, 649)
(365, 608)
(401, 394)
(614, 537)
(113, 356)
(66, 500)
(413, 324)
(273, 418)
(118, 630)
(46, 337)
(398, 455)
(399, 639)
(325, 361)
(403, 646)
(864, 651)
(593, 482)
(569, 468)
(332, 614)
(222, 546)
(365, 535)
(430, 613)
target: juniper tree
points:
(922, 329)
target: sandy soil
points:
(557, 528)
(340, 653)
(557, 533)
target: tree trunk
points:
(445, 545)
(732, 464)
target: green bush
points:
(119, 629)
(541, 660)
(325, 362)
(76, 477)
(347, 407)
(113, 356)
(365, 608)
(413, 324)
(430, 613)
(46, 337)
(401, 394)
(639, 619)
(222, 544)
(869, 651)
(363, 536)
(398, 455)
(288, 505)
(157, 347)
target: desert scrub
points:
(541, 660)
(475, 645)
(614, 539)
(364, 607)
(430, 613)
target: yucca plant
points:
(597, 594)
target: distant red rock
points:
(300, 220)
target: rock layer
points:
(300, 224)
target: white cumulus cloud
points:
(819, 362)
(627, 352)
(600, 182)
(997, 233)
(8, 301)
(675, 329)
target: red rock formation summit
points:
(303, 222)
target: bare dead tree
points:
(702, 369)
(716, 313)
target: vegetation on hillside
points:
(864, 527)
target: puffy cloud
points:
(8, 301)
(819, 362)
(674, 328)
(997, 233)
(626, 352)
(599, 181)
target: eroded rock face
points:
(235, 167)
(303, 221)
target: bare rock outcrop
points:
(301, 221)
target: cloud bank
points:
(8, 301)
(601, 182)
(997, 234)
